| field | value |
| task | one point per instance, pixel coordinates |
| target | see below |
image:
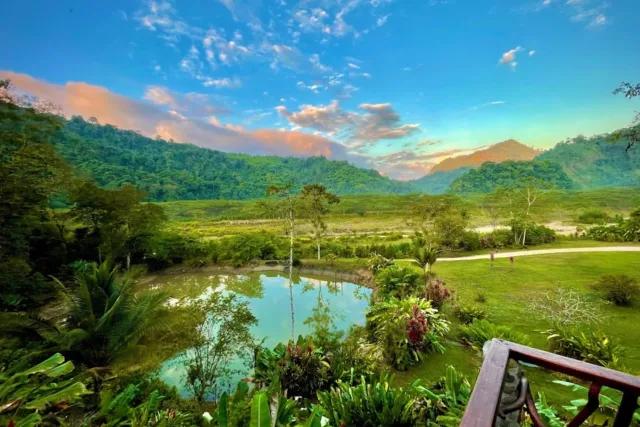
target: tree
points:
(631, 133)
(442, 221)
(224, 337)
(118, 218)
(425, 257)
(288, 213)
(316, 201)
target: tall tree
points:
(632, 133)
(316, 201)
(118, 218)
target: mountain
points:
(438, 182)
(500, 152)
(582, 163)
(171, 171)
(599, 161)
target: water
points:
(269, 298)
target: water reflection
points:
(283, 306)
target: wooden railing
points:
(485, 407)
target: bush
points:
(469, 313)
(481, 331)
(406, 329)
(368, 404)
(607, 233)
(377, 262)
(618, 289)
(437, 292)
(496, 239)
(539, 234)
(594, 216)
(471, 241)
(397, 281)
(591, 346)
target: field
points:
(375, 215)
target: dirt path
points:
(544, 252)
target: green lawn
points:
(509, 290)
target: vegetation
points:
(618, 289)
(480, 331)
(591, 346)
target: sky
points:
(395, 85)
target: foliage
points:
(589, 345)
(469, 313)
(437, 292)
(316, 200)
(426, 256)
(565, 307)
(234, 410)
(594, 216)
(406, 329)
(27, 395)
(441, 221)
(608, 404)
(303, 369)
(355, 357)
(447, 400)
(368, 404)
(619, 289)
(169, 171)
(224, 336)
(509, 174)
(377, 262)
(132, 407)
(118, 218)
(397, 281)
(548, 413)
(480, 331)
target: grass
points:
(509, 290)
(379, 214)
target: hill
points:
(500, 152)
(599, 161)
(171, 171)
(490, 176)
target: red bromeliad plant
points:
(417, 327)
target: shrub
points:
(496, 239)
(468, 313)
(607, 233)
(397, 281)
(565, 307)
(368, 404)
(539, 234)
(481, 331)
(437, 292)
(619, 289)
(594, 216)
(377, 262)
(591, 346)
(406, 329)
(471, 241)
(481, 297)
(355, 357)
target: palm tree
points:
(426, 256)
(96, 318)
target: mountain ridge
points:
(509, 149)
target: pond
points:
(270, 299)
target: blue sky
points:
(395, 85)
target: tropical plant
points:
(28, 397)
(437, 292)
(481, 331)
(447, 400)
(223, 336)
(368, 404)
(619, 289)
(592, 346)
(406, 329)
(608, 403)
(548, 413)
(469, 313)
(303, 369)
(426, 256)
(397, 281)
(377, 262)
(316, 200)
(131, 407)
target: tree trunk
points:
(291, 236)
(318, 245)
(128, 260)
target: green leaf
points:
(223, 419)
(260, 415)
(46, 365)
(67, 394)
(32, 420)
(65, 368)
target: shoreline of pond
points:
(361, 276)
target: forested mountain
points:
(500, 152)
(582, 163)
(490, 176)
(437, 182)
(170, 171)
(600, 161)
